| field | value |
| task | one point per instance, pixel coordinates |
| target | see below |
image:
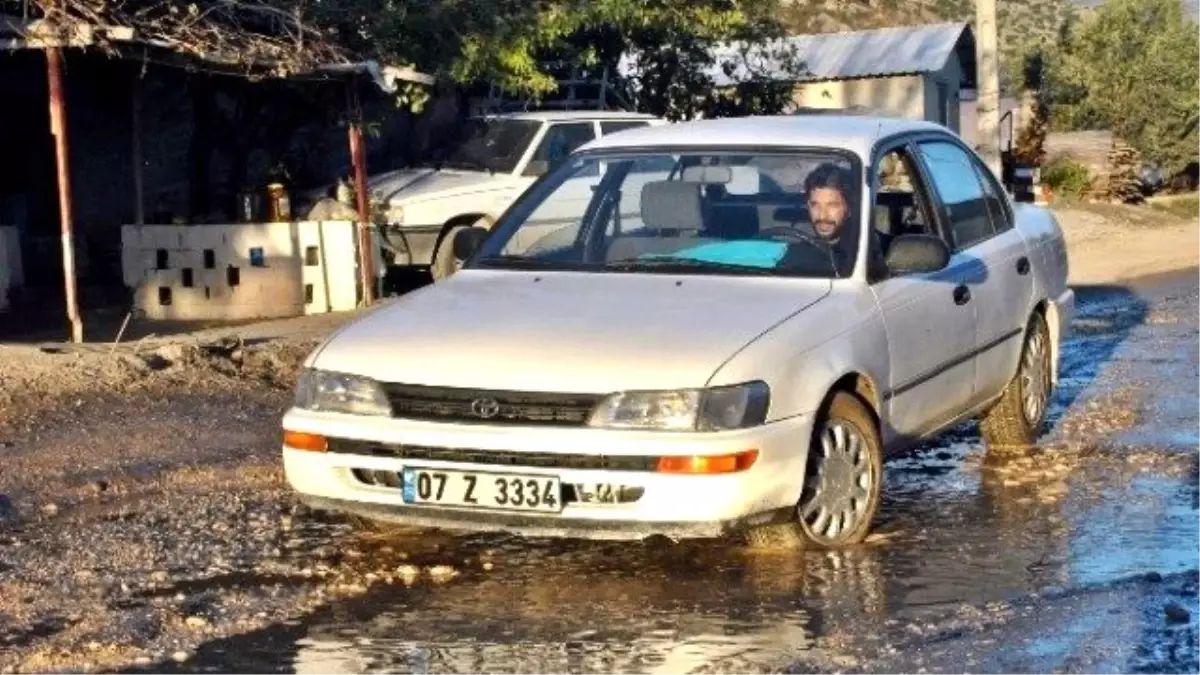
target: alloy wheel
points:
(838, 483)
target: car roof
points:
(567, 115)
(856, 133)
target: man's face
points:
(827, 208)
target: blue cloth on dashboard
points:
(756, 253)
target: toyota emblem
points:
(485, 408)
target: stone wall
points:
(244, 271)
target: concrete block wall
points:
(239, 272)
(11, 273)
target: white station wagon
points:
(741, 320)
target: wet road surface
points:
(1061, 559)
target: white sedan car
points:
(741, 321)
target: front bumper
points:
(673, 505)
(413, 244)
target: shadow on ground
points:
(40, 314)
(1105, 316)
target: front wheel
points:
(444, 262)
(843, 482)
(1017, 418)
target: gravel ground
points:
(145, 523)
(143, 509)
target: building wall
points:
(941, 93)
(933, 97)
(902, 96)
(236, 272)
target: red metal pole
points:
(58, 127)
(366, 259)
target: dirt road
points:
(145, 526)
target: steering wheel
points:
(791, 235)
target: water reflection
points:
(675, 609)
(960, 530)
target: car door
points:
(928, 318)
(983, 228)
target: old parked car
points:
(479, 175)
(738, 323)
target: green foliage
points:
(510, 43)
(1131, 68)
(1067, 177)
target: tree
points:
(1131, 68)
(668, 46)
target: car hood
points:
(565, 331)
(405, 185)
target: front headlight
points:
(716, 409)
(337, 392)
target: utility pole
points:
(987, 106)
(358, 158)
(58, 127)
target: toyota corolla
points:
(693, 330)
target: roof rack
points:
(580, 90)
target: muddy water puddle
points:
(959, 535)
(956, 532)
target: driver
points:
(828, 190)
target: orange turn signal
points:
(298, 440)
(708, 463)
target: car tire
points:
(845, 452)
(444, 263)
(1016, 420)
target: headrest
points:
(671, 205)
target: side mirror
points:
(467, 242)
(916, 253)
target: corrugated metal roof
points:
(866, 53)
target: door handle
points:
(962, 295)
(1023, 265)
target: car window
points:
(607, 128)
(960, 194)
(998, 207)
(899, 208)
(713, 212)
(649, 165)
(559, 142)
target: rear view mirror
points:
(916, 253)
(467, 242)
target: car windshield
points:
(716, 212)
(490, 145)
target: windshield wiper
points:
(520, 262)
(681, 264)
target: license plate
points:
(472, 489)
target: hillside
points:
(1190, 7)
(1036, 18)
(1021, 22)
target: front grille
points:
(480, 406)
(541, 460)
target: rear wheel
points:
(842, 482)
(1017, 418)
